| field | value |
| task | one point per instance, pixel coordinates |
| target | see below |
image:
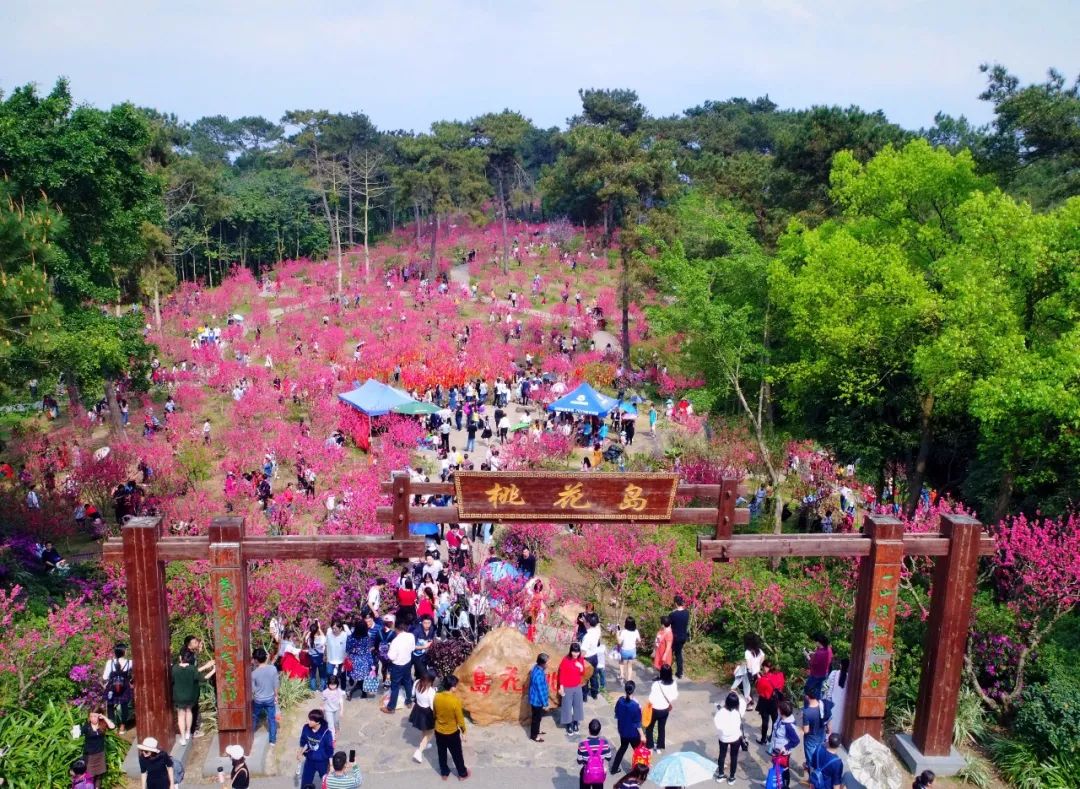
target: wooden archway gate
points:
(505, 496)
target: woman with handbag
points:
(661, 700)
(728, 722)
(360, 653)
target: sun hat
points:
(149, 744)
(235, 752)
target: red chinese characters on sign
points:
(540, 495)
(509, 681)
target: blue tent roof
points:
(583, 400)
(622, 405)
(374, 398)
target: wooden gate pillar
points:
(401, 499)
(725, 510)
(232, 634)
(875, 619)
(946, 635)
(148, 627)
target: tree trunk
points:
(416, 213)
(72, 386)
(367, 253)
(625, 305)
(434, 246)
(918, 472)
(1004, 495)
(114, 406)
(348, 181)
(505, 234)
(157, 303)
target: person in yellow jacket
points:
(449, 729)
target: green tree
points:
(502, 136)
(895, 311)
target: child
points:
(333, 701)
(79, 777)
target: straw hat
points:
(150, 745)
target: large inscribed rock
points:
(494, 680)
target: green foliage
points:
(1021, 766)
(975, 772)
(38, 749)
(196, 461)
(292, 692)
(1049, 718)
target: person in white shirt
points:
(336, 637)
(432, 567)
(400, 656)
(628, 639)
(728, 722)
(374, 596)
(663, 693)
(590, 649)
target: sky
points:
(406, 64)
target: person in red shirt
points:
(571, 675)
(426, 606)
(406, 597)
(770, 689)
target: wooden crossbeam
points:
(323, 547)
(679, 515)
(744, 545)
(685, 490)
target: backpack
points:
(595, 772)
(818, 780)
(118, 681)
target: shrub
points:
(39, 750)
(445, 656)
(1047, 718)
(1020, 765)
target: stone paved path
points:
(501, 755)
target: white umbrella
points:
(685, 768)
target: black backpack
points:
(119, 680)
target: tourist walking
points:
(924, 780)
(785, 739)
(662, 648)
(753, 655)
(155, 765)
(570, 676)
(93, 733)
(118, 692)
(835, 696)
(629, 638)
(593, 753)
(628, 720)
(315, 750)
(826, 768)
(344, 772)
(360, 650)
(399, 654)
(264, 692)
(591, 647)
(663, 693)
(449, 729)
(422, 716)
(315, 646)
(333, 704)
(728, 721)
(539, 696)
(337, 639)
(634, 779)
(680, 632)
(814, 727)
(239, 774)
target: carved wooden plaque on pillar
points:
(232, 653)
(875, 620)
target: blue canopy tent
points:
(374, 398)
(622, 405)
(583, 400)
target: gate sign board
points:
(560, 496)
